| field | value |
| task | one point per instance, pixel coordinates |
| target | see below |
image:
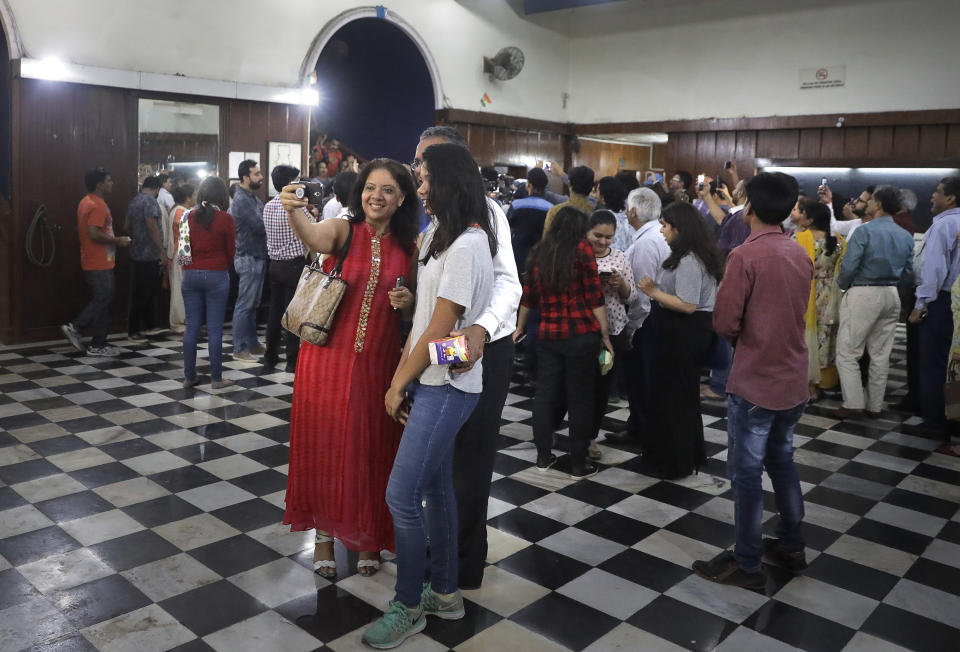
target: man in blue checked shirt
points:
(938, 269)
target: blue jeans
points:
(718, 377)
(423, 469)
(250, 270)
(758, 438)
(204, 292)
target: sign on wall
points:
(824, 77)
(282, 154)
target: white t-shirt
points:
(463, 274)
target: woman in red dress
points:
(342, 443)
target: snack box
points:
(449, 350)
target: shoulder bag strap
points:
(343, 253)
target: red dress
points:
(342, 442)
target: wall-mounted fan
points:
(507, 64)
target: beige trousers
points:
(868, 320)
(178, 313)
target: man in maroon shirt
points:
(760, 310)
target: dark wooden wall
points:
(509, 140)
(927, 145)
(61, 129)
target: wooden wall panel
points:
(500, 145)
(810, 143)
(880, 142)
(933, 141)
(906, 141)
(856, 143)
(61, 129)
(831, 144)
(870, 144)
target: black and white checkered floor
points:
(140, 516)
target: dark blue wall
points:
(376, 95)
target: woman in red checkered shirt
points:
(563, 282)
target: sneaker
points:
(257, 349)
(103, 351)
(544, 462)
(72, 334)
(245, 356)
(155, 331)
(793, 561)
(137, 337)
(434, 604)
(585, 469)
(220, 384)
(395, 626)
(724, 569)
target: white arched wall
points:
(341, 20)
(10, 30)
(227, 46)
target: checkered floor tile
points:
(135, 515)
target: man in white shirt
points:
(342, 187)
(489, 337)
(646, 256)
(858, 210)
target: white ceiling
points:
(638, 15)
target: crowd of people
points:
(617, 289)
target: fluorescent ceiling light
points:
(49, 68)
(943, 172)
(787, 169)
(304, 96)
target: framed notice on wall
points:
(234, 159)
(281, 154)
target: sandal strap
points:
(368, 563)
(325, 563)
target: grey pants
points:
(96, 314)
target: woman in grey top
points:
(454, 284)
(681, 321)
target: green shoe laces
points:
(398, 618)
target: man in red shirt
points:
(98, 246)
(760, 310)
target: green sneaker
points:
(434, 604)
(396, 626)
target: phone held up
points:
(700, 181)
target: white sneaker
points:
(245, 356)
(104, 351)
(72, 334)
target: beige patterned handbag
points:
(310, 313)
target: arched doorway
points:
(377, 83)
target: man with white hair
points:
(646, 256)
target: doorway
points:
(376, 91)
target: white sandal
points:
(368, 563)
(326, 568)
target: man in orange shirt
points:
(98, 246)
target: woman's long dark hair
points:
(456, 198)
(212, 196)
(405, 223)
(692, 238)
(819, 214)
(555, 253)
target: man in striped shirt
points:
(286, 254)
